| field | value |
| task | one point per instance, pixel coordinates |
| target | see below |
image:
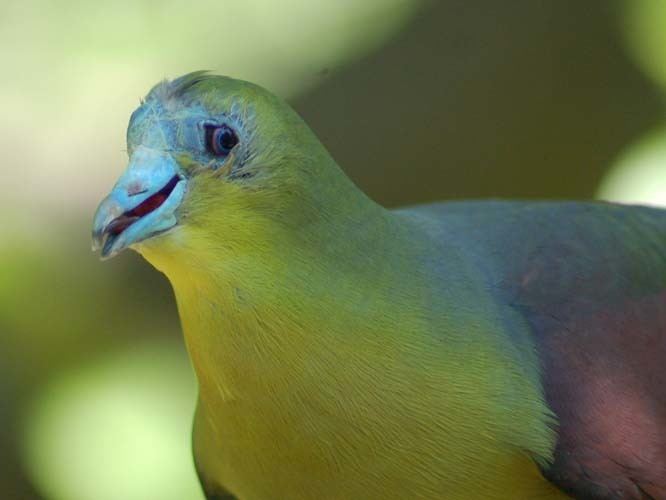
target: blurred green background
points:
(416, 100)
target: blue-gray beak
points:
(142, 204)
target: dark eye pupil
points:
(220, 139)
(226, 138)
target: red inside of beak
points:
(150, 204)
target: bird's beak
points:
(142, 204)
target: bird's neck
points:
(255, 319)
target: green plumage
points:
(344, 350)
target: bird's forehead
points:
(167, 128)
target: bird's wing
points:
(590, 279)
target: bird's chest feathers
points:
(290, 397)
(269, 383)
(249, 350)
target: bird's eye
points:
(220, 139)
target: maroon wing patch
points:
(590, 279)
(604, 375)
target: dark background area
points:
(487, 99)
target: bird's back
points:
(590, 281)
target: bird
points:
(490, 349)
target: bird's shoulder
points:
(590, 281)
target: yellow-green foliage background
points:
(417, 101)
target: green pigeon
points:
(466, 350)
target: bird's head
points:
(214, 162)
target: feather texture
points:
(344, 350)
